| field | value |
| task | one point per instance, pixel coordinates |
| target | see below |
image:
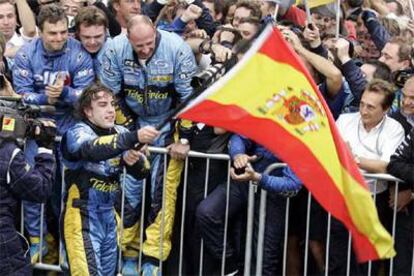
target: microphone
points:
(10, 98)
(50, 109)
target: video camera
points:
(18, 120)
(208, 76)
(212, 73)
(400, 77)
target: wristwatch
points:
(184, 141)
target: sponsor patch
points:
(85, 72)
(161, 78)
(161, 63)
(131, 63)
(8, 124)
(23, 72)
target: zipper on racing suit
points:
(145, 103)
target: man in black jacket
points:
(402, 166)
(405, 114)
(20, 181)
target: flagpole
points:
(308, 13)
(275, 12)
(338, 18)
(410, 4)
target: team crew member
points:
(94, 151)
(91, 25)
(150, 71)
(53, 69)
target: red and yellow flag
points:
(271, 98)
(315, 3)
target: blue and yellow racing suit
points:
(34, 69)
(93, 158)
(147, 92)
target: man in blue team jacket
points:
(51, 70)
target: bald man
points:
(150, 71)
(405, 115)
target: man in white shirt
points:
(372, 137)
(124, 10)
(370, 133)
(8, 24)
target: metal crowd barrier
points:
(250, 217)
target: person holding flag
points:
(101, 162)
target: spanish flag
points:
(271, 98)
(315, 3)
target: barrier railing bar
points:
(328, 242)
(141, 223)
(195, 154)
(375, 201)
(394, 222)
(204, 196)
(285, 238)
(348, 255)
(381, 176)
(226, 219)
(121, 223)
(260, 238)
(180, 263)
(412, 262)
(249, 230)
(305, 264)
(62, 204)
(163, 212)
(262, 219)
(47, 267)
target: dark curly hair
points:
(89, 95)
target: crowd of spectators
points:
(116, 69)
